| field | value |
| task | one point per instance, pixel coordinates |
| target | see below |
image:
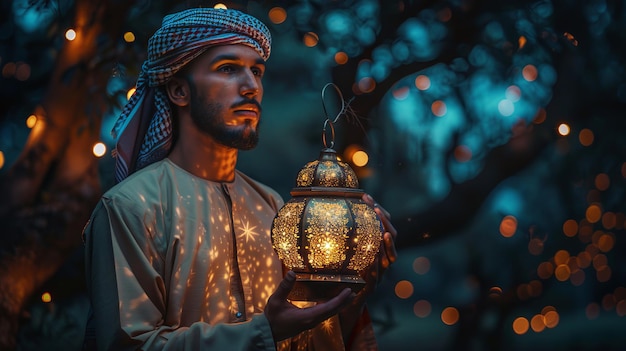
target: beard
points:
(209, 118)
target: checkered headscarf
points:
(145, 124)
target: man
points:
(178, 254)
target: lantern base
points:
(323, 287)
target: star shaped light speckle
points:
(248, 232)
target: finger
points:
(285, 286)
(324, 310)
(386, 221)
(390, 248)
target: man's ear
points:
(178, 91)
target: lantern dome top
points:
(327, 171)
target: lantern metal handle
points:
(328, 122)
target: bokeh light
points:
(277, 15)
(404, 289)
(422, 82)
(585, 136)
(529, 72)
(508, 226)
(70, 34)
(310, 39)
(99, 149)
(130, 93)
(360, 158)
(46, 297)
(450, 316)
(563, 129)
(220, 6)
(422, 308)
(520, 325)
(129, 37)
(421, 265)
(31, 121)
(341, 58)
(439, 108)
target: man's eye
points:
(227, 69)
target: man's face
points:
(226, 92)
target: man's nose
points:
(250, 86)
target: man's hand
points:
(388, 253)
(386, 256)
(287, 320)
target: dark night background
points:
(494, 132)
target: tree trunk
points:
(48, 194)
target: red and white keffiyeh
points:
(144, 127)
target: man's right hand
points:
(287, 320)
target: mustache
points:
(247, 101)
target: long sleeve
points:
(129, 298)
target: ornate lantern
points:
(326, 233)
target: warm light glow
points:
(310, 39)
(220, 6)
(537, 323)
(70, 34)
(450, 315)
(571, 38)
(462, 153)
(130, 93)
(401, 93)
(563, 129)
(593, 213)
(620, 308)
(439, 108)
(540, 117)
(31, 121)
(535, 246)
(1, 159)
(129, 37)
(422, 82)
(529, 72)
(521, 42)
(508, 226)
(513, 93)
(585, 136)
(562, 272)
(277, 15)
(46, 297)
(570, 228)
(421, 265)
(360, 158)
(99, 149)
(22, 71)
(602, 181)
(592, 311)
(520, 325)
(577, 277)
(609, 220)
(561, 257)
(404, 289)
(367, 84)
(422, 308)
(341, 58)
(545, 270)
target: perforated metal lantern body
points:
(326, 233)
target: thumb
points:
(285, 286)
